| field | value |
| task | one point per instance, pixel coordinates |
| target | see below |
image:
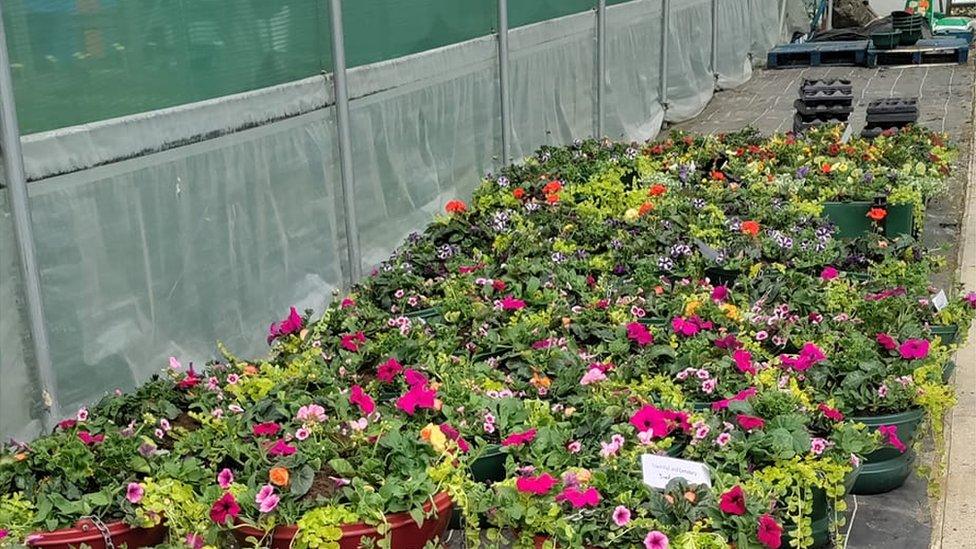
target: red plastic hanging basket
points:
(93, 533)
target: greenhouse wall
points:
(184, 166)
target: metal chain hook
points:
(103, 530)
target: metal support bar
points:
(713, 59)
(601, 64)
(665, 26)
(13, 162)
(830, 14)
(345, 143)
(503, 81)
(782, 19)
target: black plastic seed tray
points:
(892, 118)
(831, 110)
(874, 130)
(827, 84)
(800, 125)
(893, 105)
(818, 97)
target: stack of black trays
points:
(891, 113)
(827, 101)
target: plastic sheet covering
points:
(426, 138)
(733, 65)
(633, 108)
(166, 254)
(690, 79)
(553, 73)
(20, 399)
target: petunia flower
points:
(290, 325)
(769, 532)
(419, 396)
(351, 342)
(659, 423)
(579, 499)
(510, 303)
(886, 341)
(743, 361)
(728, 342)
(413, 377)
(742, 395)
(265, 491)
(518, 439)
(134, 492)
(359, 397)
(281, 448)
(914, 349)
(639, 334)
(656, 540)
(970, 298)
(621, 515)
(90, 439)
(224, 508)
(388, 371)
(225, 478)
(829, 273)
(890, 435)
(593, 375)
(733, 501)
(312, 413)
(537, 485)
(831, 413)
(194, 541)
(267, 429)
(750, 423)
(720, 294)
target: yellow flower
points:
(692, 307)
(731, 311)
(432, 434)
(632, 214)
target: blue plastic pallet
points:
(963, 34)
(924, 52)
(814, 54)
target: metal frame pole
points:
(601, 64)
(830, 14)
(665, 26)
(713, 59)
(345, 143)
(13, 162)
(782, 18)
(503, 81)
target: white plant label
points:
(660, 470)
(940, 301)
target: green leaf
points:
(301, 481)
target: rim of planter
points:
(442, 502)
(914, 414)
(86, 532)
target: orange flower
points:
(456, 206)
(825, 168)
(552, 198)
(552, 187)
(20, 457)
(426, 432)
(657, 189)
(540, 380)
(250, 370)
(877, 214)
(750, 228)
(518, 193)
(278, 476)
(645, 208)
(718, 176)
(659, 290)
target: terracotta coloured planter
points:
(86, 533)
(404, 532)
(886, 469)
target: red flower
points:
(886, 341)
(518, 439)
(268, 429)
(877, 214)
(750, 228)
(718, 176)
(733, 501)
(498, 285)
(825, 168)
(539, 485)
(388, 371)
(456, 206)
(645, 208)
(749, 423)
(552, 187)
(223, 508)
(657, 189)
(518, 193)
(770, 533)
(359, 397)
(831, 413)
(351, 342)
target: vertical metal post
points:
(665, 26)
(782, 19)
(345, 143)
(503, 81)
(601, 64)
(830, 14)
(13, 162)
(713, 60)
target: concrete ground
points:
(905, 518)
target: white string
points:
(850, 525)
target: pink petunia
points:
(518, 439)
(225, 478)
(659, 423)
(134, 492)
(538, 485)
(419, 396)
(828, 273)
(90, 439)
(742, 395)
(914, 349)
(720, 294)
(890, 435)
(743, 361)
(684, 327)
(639, 334)
(621, 515)
(510, 303)
(359, 397)
(579, 499)
(593, 375)
(267, 429)
(312, 413)
(413, 377)
(831, 413)
(656, 540)
(970, 298)
(352, 342)
(281, 448)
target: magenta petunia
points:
(769, 533)
(267, 429)
(728, 342)
(388, 371)
(639, 334)
(621, 515)
(290, 325)
(656, 540)
(741, 396)
(659, 423)
(224, 508)
(579, 499)
(733, 501)
(743, 361)
(134, 492)
(914, 349)
(359, 397)
(281, 448)
(749, 423)
(890, 435)
(510, 303)
(828, 273)
(419, 396)
(831, 413)
(413, 377)
(225, 478)
(538, 485)
(352, 342)
(970, 298)
(518, 439)
(90, 439)
(720, 294)
(886, 341)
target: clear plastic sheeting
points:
(169, 230)
(633, 105)
(167, 254)
(21, 408)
